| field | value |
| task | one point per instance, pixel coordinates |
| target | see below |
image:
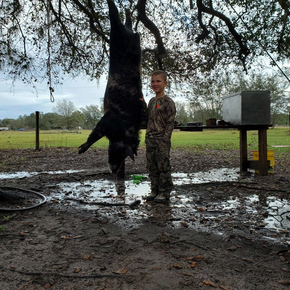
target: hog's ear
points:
(129, 152)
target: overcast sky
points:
(22, 99)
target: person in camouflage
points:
(160, 115)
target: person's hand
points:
(142, 98)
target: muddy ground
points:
(194, 242)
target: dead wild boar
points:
(122, 108)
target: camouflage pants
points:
(158, 166)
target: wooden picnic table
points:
(262, 164)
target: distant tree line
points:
(64, 116)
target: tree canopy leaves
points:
(49, 38)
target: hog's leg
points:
(93, 137)
(98, 132)
(114, 14)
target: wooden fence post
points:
(37, 131)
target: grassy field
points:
(208, 139)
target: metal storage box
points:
(247, 108)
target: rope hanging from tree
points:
(51, 90)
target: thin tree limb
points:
(244, 51)
(149, 24)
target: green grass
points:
(229, 139)
(198, 141)
(208, 139)
(52, 138)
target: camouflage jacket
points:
(160, 115)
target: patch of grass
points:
(51, 138)
(6, 218)
(221, 139)
(207, 139)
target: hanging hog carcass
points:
(122, 106)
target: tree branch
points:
(285, 5)
(191, 4)
(67, 34)
(244, 51)
(23, 36)
(93, 18)
(153, 29)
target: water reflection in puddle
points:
(265, 215)
(214, 175)
(128, 191)
(23, 174)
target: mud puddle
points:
(129, 190)
(201, 208)
(24, 174)
(264, 216)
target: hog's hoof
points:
(83, 148)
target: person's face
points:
(158, 83)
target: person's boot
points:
(161, 198)
(151, 196)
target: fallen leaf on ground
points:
(77, 237)
(184, 224)
(86, 257)
(210, 283)
(64, 237)
(248, 260)
(70, 237)
(175, 266)
(282, 259)
(121, 271)
(284, 282)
